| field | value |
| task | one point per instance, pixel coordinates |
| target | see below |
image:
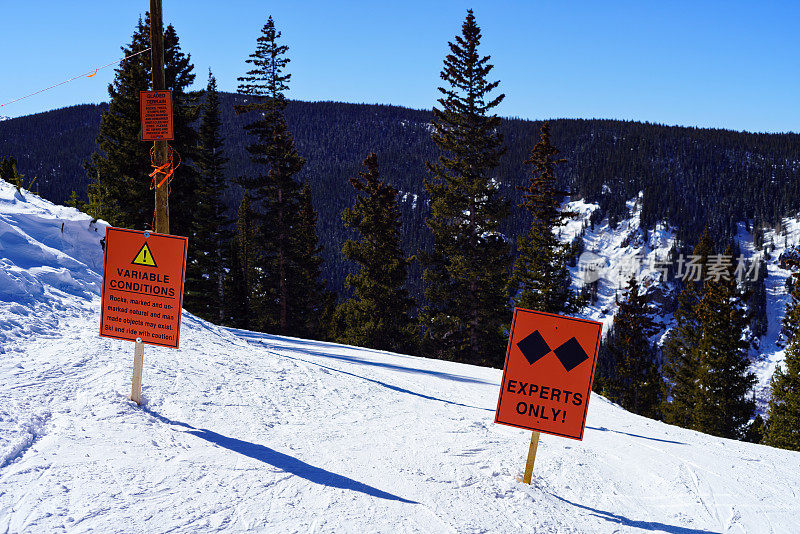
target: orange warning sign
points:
(143, 277)
(548, 373)
(156, 115)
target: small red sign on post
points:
(548, 373)
(156, 115)
(143, 275)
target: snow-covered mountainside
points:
(630, 248)
(770, 349)
(243, 431)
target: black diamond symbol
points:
(571, 354)
(533, 347)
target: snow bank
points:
(48, 253)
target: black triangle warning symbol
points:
(144, 257)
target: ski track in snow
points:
(242, 431)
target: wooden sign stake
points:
(531, 458)
(138, 364)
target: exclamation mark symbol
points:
(563, 416)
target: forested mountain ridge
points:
(690, 177)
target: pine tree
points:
(9, 173)
(756, 296)
(630, 374)
(75, 202)
(541, 280)
(119, 189)
(681, 362)
(178, 77)
(118, 170)
(378, 315)
(790, 324)
(8, 170)
(100, 204)
(681, 358)
(701, 252)
(724, 403)
(211, 228)
(283, 260)
(241, 281)
(708, 381)
(313, 302)
(466, 273)
(756, 430)
(783, 427)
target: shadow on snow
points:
(291, 344)
(644, 525)
(604, 429)
(282, 461)
(384, 384)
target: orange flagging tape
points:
(167, 169)
(160, 170)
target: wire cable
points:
(87, 74)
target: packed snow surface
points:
(241, 431)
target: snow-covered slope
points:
(242, 431)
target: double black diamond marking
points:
(534, 347)
(570, 354)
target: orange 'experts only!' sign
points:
(548, 373)
(156, 115)
(143, 286)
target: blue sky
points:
(732, 65)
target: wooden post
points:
(138, 364)
(160, 157)
(531, 458)
(160, 147)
